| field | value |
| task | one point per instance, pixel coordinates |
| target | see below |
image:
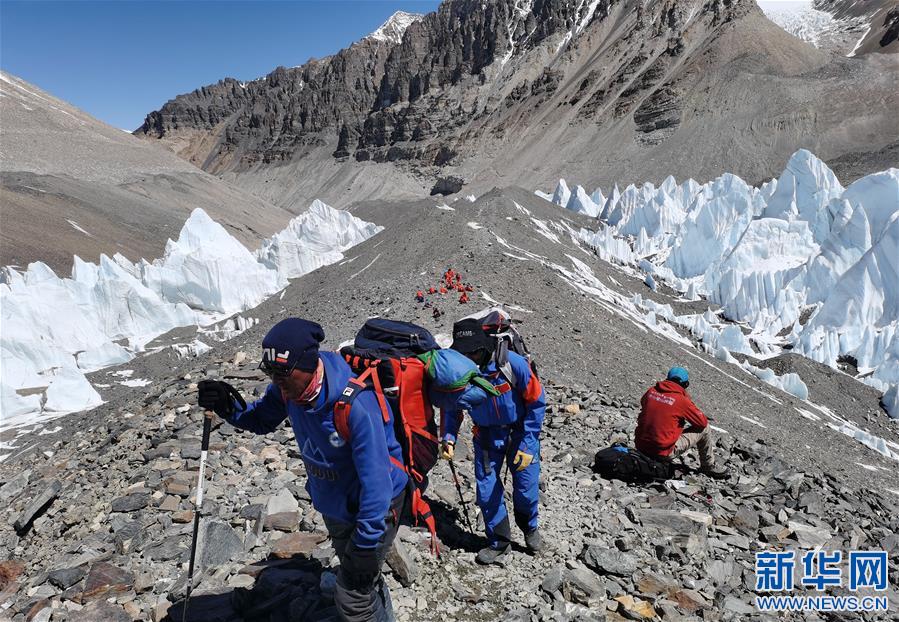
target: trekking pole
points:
(204, 449)
(452, 466)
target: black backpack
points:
(498, 324)
(629, 465)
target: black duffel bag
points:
(629, 465)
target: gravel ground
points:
(128, 467)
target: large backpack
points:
(384, 357)
(497, 323)
(629, 465)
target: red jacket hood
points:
(670, 386)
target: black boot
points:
(715, 472)
(491, 555)
(500, 550)
(532, 538)
(534, 541)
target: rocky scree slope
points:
(92, 188)
(515, 92)
(99, 510)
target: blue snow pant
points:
(492, 446)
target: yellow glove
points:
(446, 450)
(521, 461)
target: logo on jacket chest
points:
(316, 464)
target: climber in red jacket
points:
(665, 411)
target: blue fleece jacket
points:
(522, 407)
(350, 481)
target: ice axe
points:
(452, 466)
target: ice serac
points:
(861, 215)
(660, 215)
(313, 239)
(581, 203)
(121, 305)
(719, 215)
(562, 194)
(57, 329)
(804, 192)
(750, 282)
(860, 317)
(207, 269)
(800, 247)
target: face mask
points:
(314, 387)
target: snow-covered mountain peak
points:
(392, 30)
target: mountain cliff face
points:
(517, 91)
(880, 16)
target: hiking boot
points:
(534, 541)
(491, 555)
(715, 472)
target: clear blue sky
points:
(119, 60)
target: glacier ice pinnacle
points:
(57, 329)
(803, 261)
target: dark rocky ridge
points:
(507, 92)
(385, 102)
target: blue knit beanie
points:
(293, 343)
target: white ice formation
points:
(802, 262)
(55, 330)
(800, 19)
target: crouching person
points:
(350, 459)
(670, 424)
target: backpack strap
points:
(506, 371)
(354, 387)
(501, 358)
(421, 512)
(344, 405)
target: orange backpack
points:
(383, 357)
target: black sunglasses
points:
(276, 370)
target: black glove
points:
(218, 396)
(360, 568)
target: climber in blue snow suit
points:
(350, 459)
(505, 428)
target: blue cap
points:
(678, 374)
(293, 343)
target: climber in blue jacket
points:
(506, 428)
(353, 463)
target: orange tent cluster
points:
(451, 282)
